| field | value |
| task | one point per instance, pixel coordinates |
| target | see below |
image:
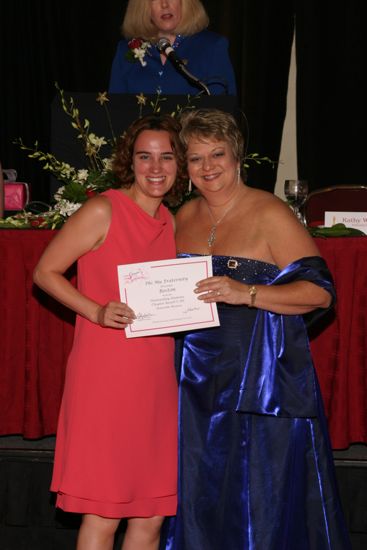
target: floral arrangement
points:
(78, 185)
(137, 49)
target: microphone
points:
(164, 46)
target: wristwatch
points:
(252, 291)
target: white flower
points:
(107, 163)
(82, 175)
(139, 53)
(66, 170)
(67, 208)
(59, 192)
(97, 141)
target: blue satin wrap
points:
(278, 376)
(255, 464)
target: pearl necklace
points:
(213, 229)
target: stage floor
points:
(29, 520)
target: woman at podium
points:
(141, 65)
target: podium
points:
(122, 110)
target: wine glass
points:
(296, 192)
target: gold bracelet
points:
(252, 291)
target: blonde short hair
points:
(137, 21)
(214, 124)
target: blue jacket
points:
(207, 59)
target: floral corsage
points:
(137, 50)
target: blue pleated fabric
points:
(255, 463)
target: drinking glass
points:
(296, 192)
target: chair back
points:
(338, 198)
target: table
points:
(37, 332)
(340, 350)
(36, 337)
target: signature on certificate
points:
(189, 309)
(133, 276)
(144, 316)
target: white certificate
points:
(162, 295)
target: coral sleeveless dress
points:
(116, 448)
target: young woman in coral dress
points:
(116, 441)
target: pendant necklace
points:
(213, 229)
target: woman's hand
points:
(222, 289)
(294, 298)
(115, 315)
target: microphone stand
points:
(165, 47)
(193, 79)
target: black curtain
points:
(260, 35)
(73, 43)
(43, 42)
(331, 92)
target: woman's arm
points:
(84, 231)
(223, 66)
(286, 241)
(117, 83)
(210, 61)
(290, 299)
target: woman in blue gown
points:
(255, 464)
(138, 67)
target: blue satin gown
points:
(255, 466)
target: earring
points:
(238, 174)
(190, 187)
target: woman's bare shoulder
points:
(100, 204)
(285, 236)
(97, 208)
(264, 197)
(188, 209)
(267, 205)
(93, 216)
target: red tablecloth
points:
(36, 337)
(340, 350)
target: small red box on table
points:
(16, 195)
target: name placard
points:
(358, 220)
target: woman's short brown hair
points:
(137, 22)
(215, 124)
(123, 155)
